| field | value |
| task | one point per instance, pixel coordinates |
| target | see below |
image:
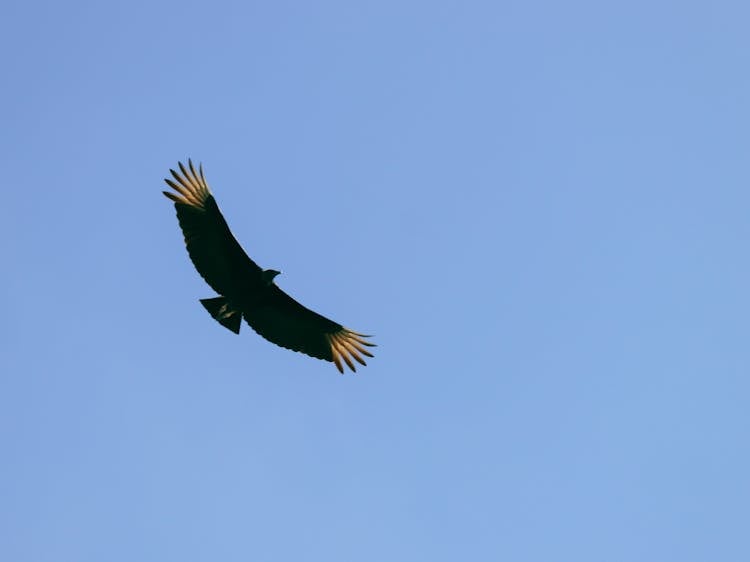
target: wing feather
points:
(213, 249)
(287, 323)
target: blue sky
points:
(540, 209)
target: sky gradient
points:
(539, 209)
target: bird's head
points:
(269, 274)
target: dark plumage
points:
(246, 290)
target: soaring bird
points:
(248, 291)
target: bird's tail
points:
(221, 311)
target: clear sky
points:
(540, 209)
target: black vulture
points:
(248, 291)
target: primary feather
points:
(246, 289)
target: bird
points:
(245, 290)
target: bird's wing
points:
(215, 252)
(285, 322)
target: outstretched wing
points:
(215, 252)
(285, 322)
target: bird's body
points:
(248, 291)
